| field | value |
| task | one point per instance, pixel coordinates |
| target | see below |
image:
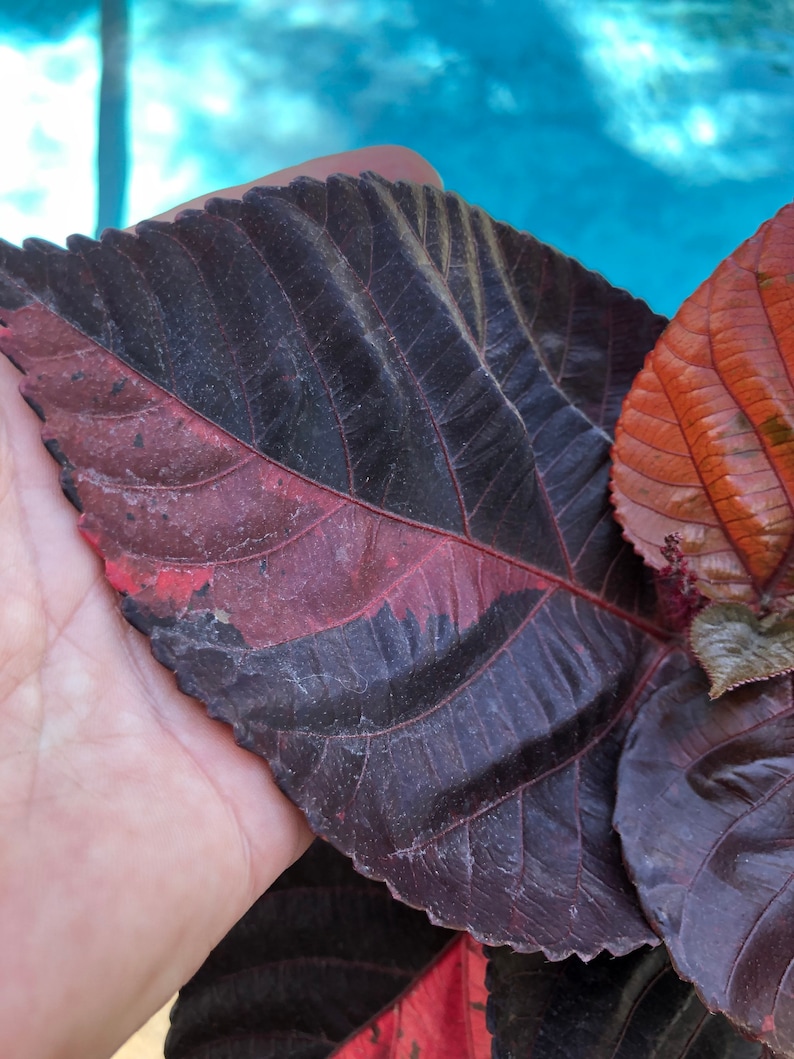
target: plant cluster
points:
(352, 453)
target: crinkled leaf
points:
(736, 647)
(315, 958)
(345, 449)
(441, 1016)
(705, 443)
(706, 813)
(633, 1008)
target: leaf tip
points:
(736, 647)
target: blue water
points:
(645, 138)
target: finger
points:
(393, 163)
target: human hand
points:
(133, 832)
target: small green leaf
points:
(736, 647)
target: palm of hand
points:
(115, 789)
(133, 832)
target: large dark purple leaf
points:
(706, 812)
(315, 958)
(633, 1008)
(345, 449)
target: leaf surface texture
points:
(441, 1016)
(631, 1008)
(706, 813)
(313, 960)
(705, 443)
(344, 448)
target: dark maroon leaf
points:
(706, 812)
(345, 449)
(315, 958)
(633, 1008)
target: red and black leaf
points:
(706, 812)
(631, 1008)
(440, 1016)
(344, 447)
(313, 960)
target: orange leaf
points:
(441, 1016)
(705, 443)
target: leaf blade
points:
(606, 1009)
(501, 644)
(441, 1015)
(704, 810)
(315, 957)
(704, 447)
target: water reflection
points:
(645, 137)
(700, 90)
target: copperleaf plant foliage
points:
(324, 947)
(706, 813)
(316, 958)
(631, 1008)
(345, 450)
(704, 463)
(704, 457)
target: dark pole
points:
(112, 141)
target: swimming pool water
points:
(645, 137)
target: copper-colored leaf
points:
(705, 443)
(442, 1015)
